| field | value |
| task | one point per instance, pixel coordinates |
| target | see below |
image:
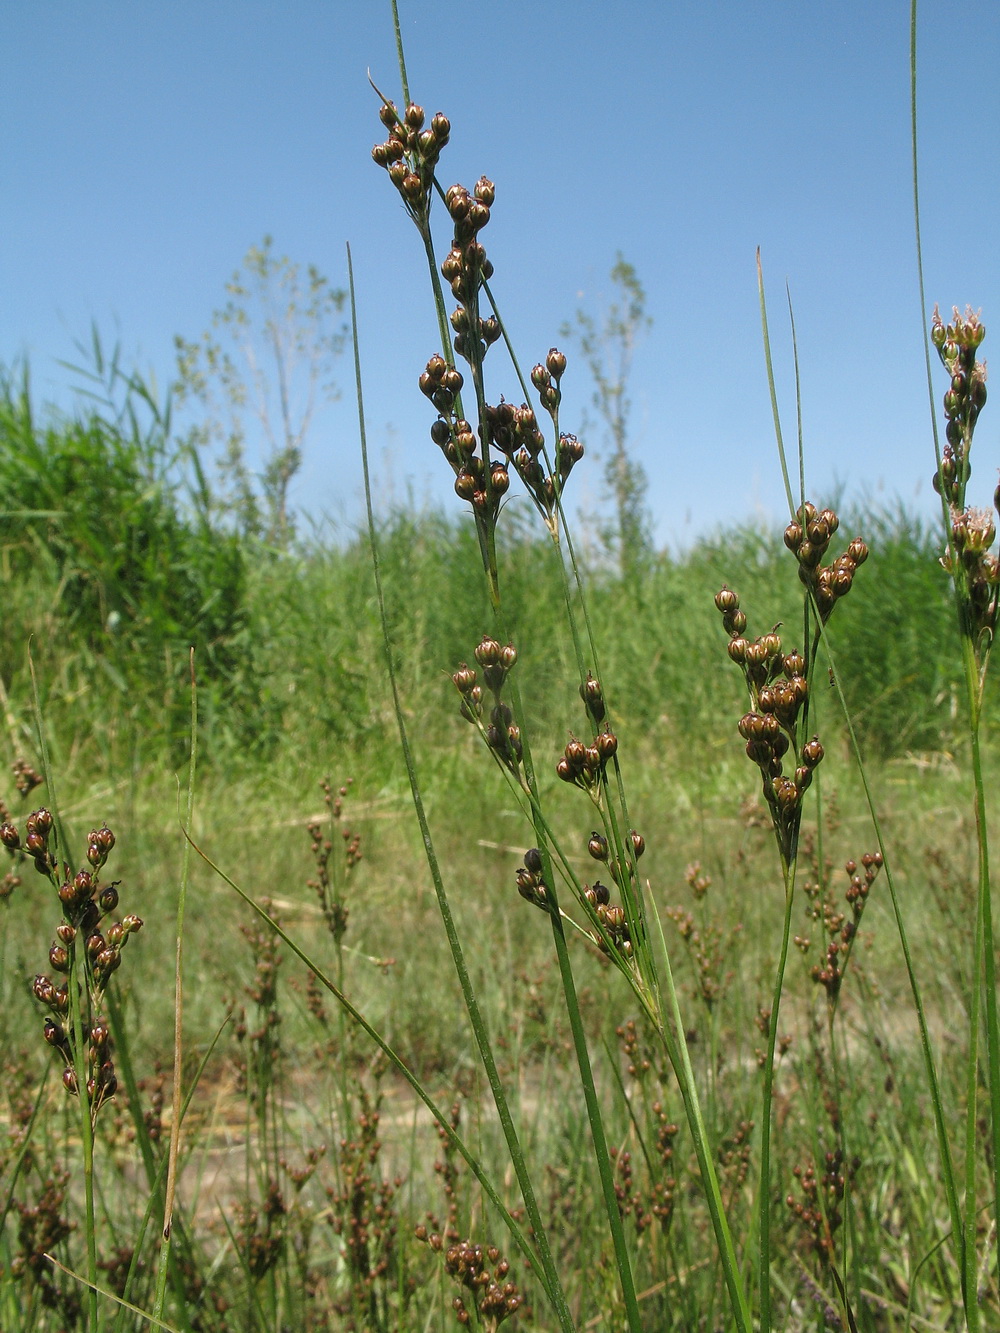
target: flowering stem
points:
(764, 1254)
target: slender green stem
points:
(594, 1116)
(400, 55)
(677, 1051)
(78, 993)
(771, 386)
(987, 965)
(173, 1153)
(550, 1275)
(764, 1202)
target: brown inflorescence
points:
(808, 537)
(484, 1272)
(499, 729)
(840, 927)
(957, 344)
(84, 939)
(970, 557)
(410, 154)
(329, 883)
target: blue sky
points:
(146, 147)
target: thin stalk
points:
(985, 956)
(944, 1149)
(677, 1051)
(94, 1290)
(79, 992)
(764, 1199)
(548, 1272)
(984, 971)
(401, 57)
(988, 954)
(78, 987)
(771, 387)
(163, 1267)
(648, 993)
(596, 1120)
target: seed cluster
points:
(838, 925)
(329, 884)
(965, 398)
(86, 904)
(502, 733)
(970, 558)
(818, 1211)
(530, 884)
(583, 764)
(778, 690)
(808, 537)
(778, 681)
(483, 1271)
(410, 154)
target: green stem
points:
(594, 1116)
(764, 1204)
(78, 988)
(549, 1274)
(680, 1059)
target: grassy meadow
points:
(309, 1175)
(531, 927)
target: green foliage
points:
(116, 562)
(108, 574)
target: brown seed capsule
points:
(812, 752)
(597, 846)
(465, 485)
(533, 860)
(555, 363)
(606, 744)
(593, 698)
(107, 899)
(54, 1034)
(464, 679)
(638, 843)
(793, 536)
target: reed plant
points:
(673, 1054)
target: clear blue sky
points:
(146, 147)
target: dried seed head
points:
(555, 363)
(593, 698)
(597, 846)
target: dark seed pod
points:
(606, 744)
(555, 363)
(593, 698)
(597, 846)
